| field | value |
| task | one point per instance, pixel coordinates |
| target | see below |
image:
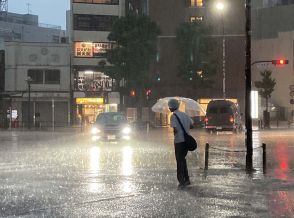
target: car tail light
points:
(232, 120)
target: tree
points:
(135, 37)
(197, 56)
(265, 87)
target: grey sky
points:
(49, 11)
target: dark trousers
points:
(182, 170)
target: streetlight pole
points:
(224, 59)
(29, 80)
(248, 120)
(220, 6)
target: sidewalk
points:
(226, 186)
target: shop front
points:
(87, 109)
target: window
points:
(36, 76)
(106, 2)
(196, 3)
(93, 22)
(52, 76)
(225, 110)
(55, 38)
(41, 76)
(196, 19)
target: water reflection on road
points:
(39, 170)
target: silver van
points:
(222, 115)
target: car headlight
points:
(126, 130)
(95, 130)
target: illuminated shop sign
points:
(93, 81)
(83, 49)
(89, 100)
(91, 49)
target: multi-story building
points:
(230, 24)
(272, 38)
(91, 23)
(45, 68)
(26, 28)
(40, 51)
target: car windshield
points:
(111, 118)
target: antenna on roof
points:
(3, 6)
(29, 5)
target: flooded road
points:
(64, 174)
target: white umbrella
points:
(187, 105)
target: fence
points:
(207, 147)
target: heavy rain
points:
(96, 116)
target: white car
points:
(111, 126)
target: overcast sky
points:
(49, 11)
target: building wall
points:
(276, 48)
(20, 57)
(93, 85)
(22, 28)
(92, 36)
(268, 22)
(169, 15)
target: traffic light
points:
(132, 93)
(148, 92)
(280, 62)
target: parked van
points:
(222, 115)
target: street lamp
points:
(221, 7)
(29, 81)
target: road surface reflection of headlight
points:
(126, 130)
(95, 130)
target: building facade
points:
(21, 53)
(26, 28)
(230, 24)
(37, 83)
(273, 39)
(91, 22)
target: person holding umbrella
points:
(178, 121)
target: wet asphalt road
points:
(64, 174)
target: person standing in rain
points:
(179, 141)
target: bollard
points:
(264, 157)
(147, 128)
(206, 156)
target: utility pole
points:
(29, 80)
(248, 120)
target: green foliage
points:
(135, 37)
(266, 85)
(196, 53)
